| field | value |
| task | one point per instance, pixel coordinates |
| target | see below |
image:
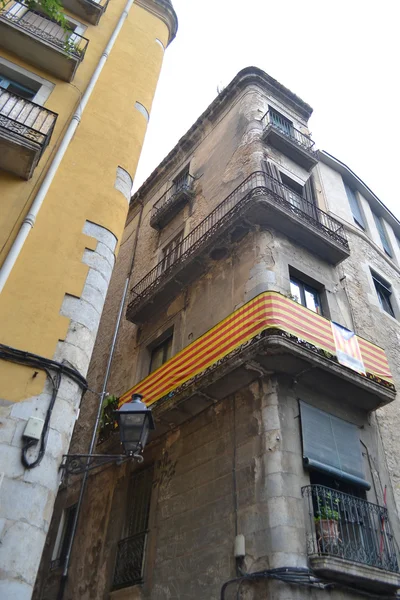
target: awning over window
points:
(331, 445)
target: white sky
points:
(341, 57)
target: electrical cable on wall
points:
(49, 366)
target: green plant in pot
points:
(326, 522)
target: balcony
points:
(260, 200)
(280, 133)
(271, 333)
(88, 10)
(350, 540)
(172, 202)
(40, 41)
(25, 131)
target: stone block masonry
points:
(27, 496)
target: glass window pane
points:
(312, 300)
(156, 358)
(295, 291)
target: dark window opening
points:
(319, 478)
(293, 185)
(172, 251)
(306, 295)
(182, 179)
(384, 293)
(160, 354)
(129, 566)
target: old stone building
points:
(261, 326)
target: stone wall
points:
(27, 496)
(236, 468)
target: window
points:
(306, 295)
(172, 251)
(63, 536)
(354, 205)
(384, 293)
(22, 82)
(301, 196)
(382, 235)
(160, 354)
(182, 179)
(280, 121)
(16, 88)
(129, 566)
(332, 446)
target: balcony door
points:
(281, 122)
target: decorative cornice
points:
(164, 10)
(245, 78)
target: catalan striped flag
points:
(269, 310)
(347, 348)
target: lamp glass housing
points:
(135, 422)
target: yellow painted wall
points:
(110, 134)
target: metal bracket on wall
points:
(74, 464)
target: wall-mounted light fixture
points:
(135, 423)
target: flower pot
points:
(327, 534)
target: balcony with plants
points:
(25, 131)
(39, 41)
(258, 200)
(280, 133)
(350, 540)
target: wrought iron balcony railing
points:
(348, 527)
(258, 183)
(130, 561)
(25, 119)
(36, 24)
(275, 120)
(180, 190)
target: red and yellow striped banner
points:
(268, 310)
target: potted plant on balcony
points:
(326, 523)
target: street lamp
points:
(135, 422)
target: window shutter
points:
(309, 191)
(331, 445)
(382, 235)
(274, 183)
(355, 207)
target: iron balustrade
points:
(184, 184)
(348, 527)
(129, 564)
(26, 119)
(275, 120)
(258, 183)
(41, 27)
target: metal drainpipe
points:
(30, 218)
(64, 576)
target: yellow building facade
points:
(74, 108)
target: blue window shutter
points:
(382, 235)
(354, 205)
